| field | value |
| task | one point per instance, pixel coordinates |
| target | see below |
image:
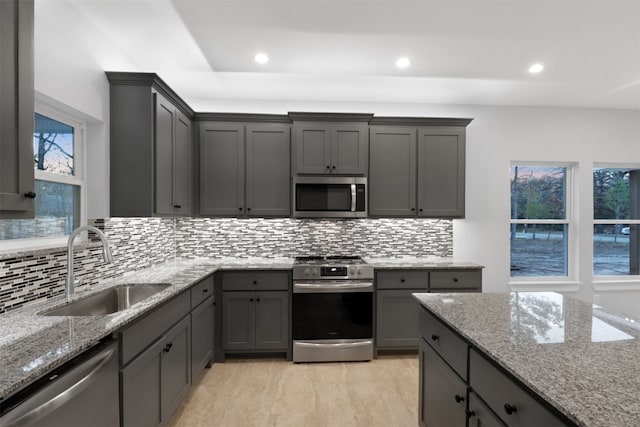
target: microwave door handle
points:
(353, 197)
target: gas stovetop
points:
(331, 268)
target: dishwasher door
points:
(83, 392)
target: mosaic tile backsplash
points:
(142, 242)
(286, 237)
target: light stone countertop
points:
(581, 358)
(420, 262)
(31, 345)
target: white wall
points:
(69, 73)
(69, 68)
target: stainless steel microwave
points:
(329, 197)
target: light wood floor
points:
(274, 392)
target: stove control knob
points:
(307, 272)
(359, 271)
(315, 272)
(352, 271)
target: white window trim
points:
(568, 282)
(80, 132)
(603, 282)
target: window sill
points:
(616, 284)
(22, 247)
(545, 286)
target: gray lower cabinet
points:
(396, 314)
(202, 327)
(255, 320)
(442, 393)
(457, 379)
(245, 169)
(16, 103)
(151, 146)
(417, 171)
(254, 316)
(155, 382)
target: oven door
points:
(332, 321)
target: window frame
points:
(79, 126)
(572, 238)
(608, 278)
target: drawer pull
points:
(455, 279)
(401, 280)
(167, 348)
(470, 413)
(255, 282)
(205, 290)
(459, 398)
(435, 337)
(509, 409)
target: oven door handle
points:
(359, 343)
(310, 288)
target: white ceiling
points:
(461, 51)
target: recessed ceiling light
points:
(261, 58)
(536, 68)
(403, 63)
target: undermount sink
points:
(109, 300)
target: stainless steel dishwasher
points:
(82, 392)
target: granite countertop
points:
(32, 345)
(583, 359)
(420, 262)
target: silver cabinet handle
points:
(332, 287)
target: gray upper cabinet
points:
(330, 143)
(16, 103)
(150, 146)
(173, 159)
(417, 167)
(441, 171)
(244, 169)
(392, 171)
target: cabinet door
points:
(397, 319)
(392, 171)
(349, 148)
(443, 394)
(16, 104)
(480, 415)
(268, 170)
(313, 147)
(175, 368)
(221, 169)
(141, 389)
(441, 171)
(201, 338)
(164, 134)
(182, 177)
(238, 320)
(272, 320)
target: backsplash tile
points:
(135, 244)
(139, 243)
(286, 237)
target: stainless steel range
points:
(332, 309)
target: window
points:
(616, 221)
(540, 220)
(58, 142)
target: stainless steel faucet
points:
(106, 254)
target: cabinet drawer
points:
(402, 279)
(201, 291)
(450, 346)
(511, 402)
(452, 279)
(255, 280)
(138, 336)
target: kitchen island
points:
(572, 361)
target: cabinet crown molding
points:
(331, 117)
(419, 121)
